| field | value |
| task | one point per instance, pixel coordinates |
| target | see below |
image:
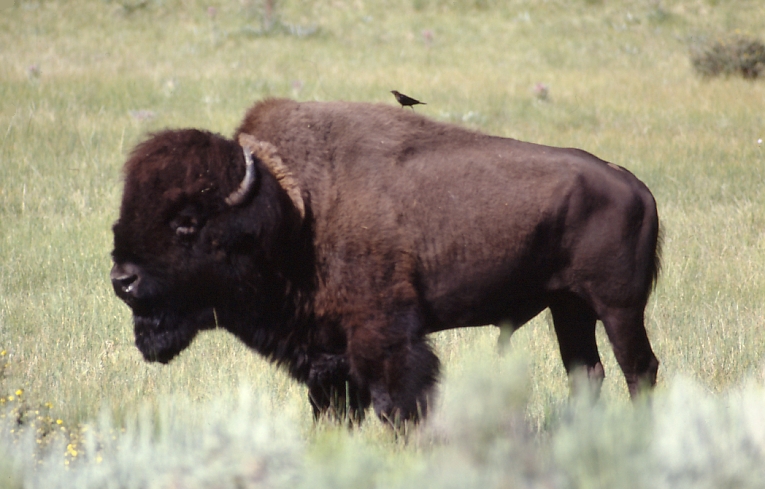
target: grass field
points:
(82, 81)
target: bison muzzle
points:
(332, 238)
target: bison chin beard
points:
(161, 338)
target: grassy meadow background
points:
(81, 82)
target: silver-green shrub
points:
(229, 443)
(480, 436)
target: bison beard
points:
(360, 229)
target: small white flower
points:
(759, 141)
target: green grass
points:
(75, 76)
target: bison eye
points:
(185, 230)
(185, 226)
(187, 222)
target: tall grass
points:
(684, 437)
(81, 82)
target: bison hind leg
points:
(625, 328)
(574, 322)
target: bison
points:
(333, 237)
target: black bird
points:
(405, 100)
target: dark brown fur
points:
(411, 227)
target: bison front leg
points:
(400, 370)
(405, 391)
(333, 394)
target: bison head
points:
(202, 222)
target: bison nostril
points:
(124, 279)
(125, 282)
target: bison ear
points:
(267, 154)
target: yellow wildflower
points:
(3, 353)
(59, 421)
(19, 392)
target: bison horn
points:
(237, 196)
(267, 154)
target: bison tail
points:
(656, 269)
(648, 247)
(653, 242)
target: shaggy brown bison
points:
(333, 237)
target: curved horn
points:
(268, 155)
(238, 195)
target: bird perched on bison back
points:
(406, 100)
(334, 237)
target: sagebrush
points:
(729, 55)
